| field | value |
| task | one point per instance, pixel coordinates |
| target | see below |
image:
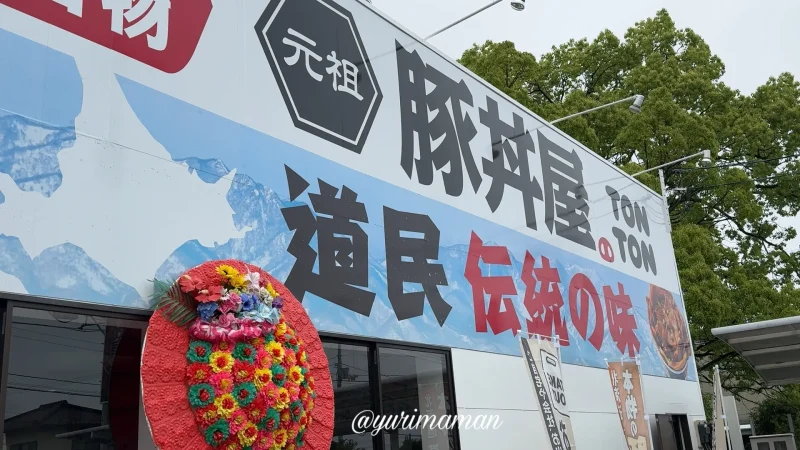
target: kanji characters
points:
(73, 6)
(543, 304)
(348, 72)
(427, 116)
(142, 16)
(416, 269)
(342, 246)
(518, 174)
(302, 47)
(498, 287)
(565, 197)
(621, 322)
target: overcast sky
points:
(755, 40)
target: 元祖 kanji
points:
(565, 196)
(427, 116)
(498, 288)
(348, 73)
(143, 16)
(543, 304)
(302, 47)
(342, 246)
(417, 251)
(621, 322)
(518, 175)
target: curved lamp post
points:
(516, 5)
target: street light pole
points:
(635, 107)
(705, 162)
(516, 5)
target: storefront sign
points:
(626, 383)
(544, 368)
(396, 194)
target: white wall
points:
(487, 383)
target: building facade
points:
(425, 220)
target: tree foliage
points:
(732, 255)
(772, 415)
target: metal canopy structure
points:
(772, 347)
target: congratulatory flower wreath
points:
(232, 361)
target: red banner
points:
(160, 33)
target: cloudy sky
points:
(755, 40)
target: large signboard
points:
(397, 194)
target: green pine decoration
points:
(178, 307)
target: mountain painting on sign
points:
(599, 313)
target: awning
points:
(772, 347)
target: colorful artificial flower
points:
(294, 391)
(303, 356)
(226, 405)
(289, 359)
(237, 421)
(187, 284)
(278, 375)
(253, 280)
(217, 433)
(257, 409)
(244, 352)
(272, 292)
(296, 374)
(242, 372)
(222, 382)
(199, 351)
(201, 395)
(248, 434)
(244, 393)
(262, 378)
(271, 420)
(283, 399)
(300, 440)
(231, 303)
(249, 302)
(264, 440)
(197, 373)
(206, 310)
(222, 346)
(277, 302)
(285, 417)
(210, 294)
(221, 361)
(232, 443)
(280, 438)
(207, 416)
(276, 351)
(227, 271)
(296, 410)
(263, 358)
(310, 382)
(270, 394)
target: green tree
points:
(732, 256)
(772, 415)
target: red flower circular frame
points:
(165, 393)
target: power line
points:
(55, 379)
(53, 391)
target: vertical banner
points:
(628, 393)
(544, 367)
(719, 441)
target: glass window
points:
(415, 383)
(72, 382)
(349, 366)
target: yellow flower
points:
(275, 349)
(283, 399)
(221, 362)
(303, 356)
(227, 271)
(280, 437)
(285, 415)
(296, 374)
(310, 404)
(280, 329)
(237, 282)
(247, 435)
(291, 446)
(226, 405)
(272, 291)
(262, 378)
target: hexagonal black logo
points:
(322, 69)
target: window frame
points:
(8, 301)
